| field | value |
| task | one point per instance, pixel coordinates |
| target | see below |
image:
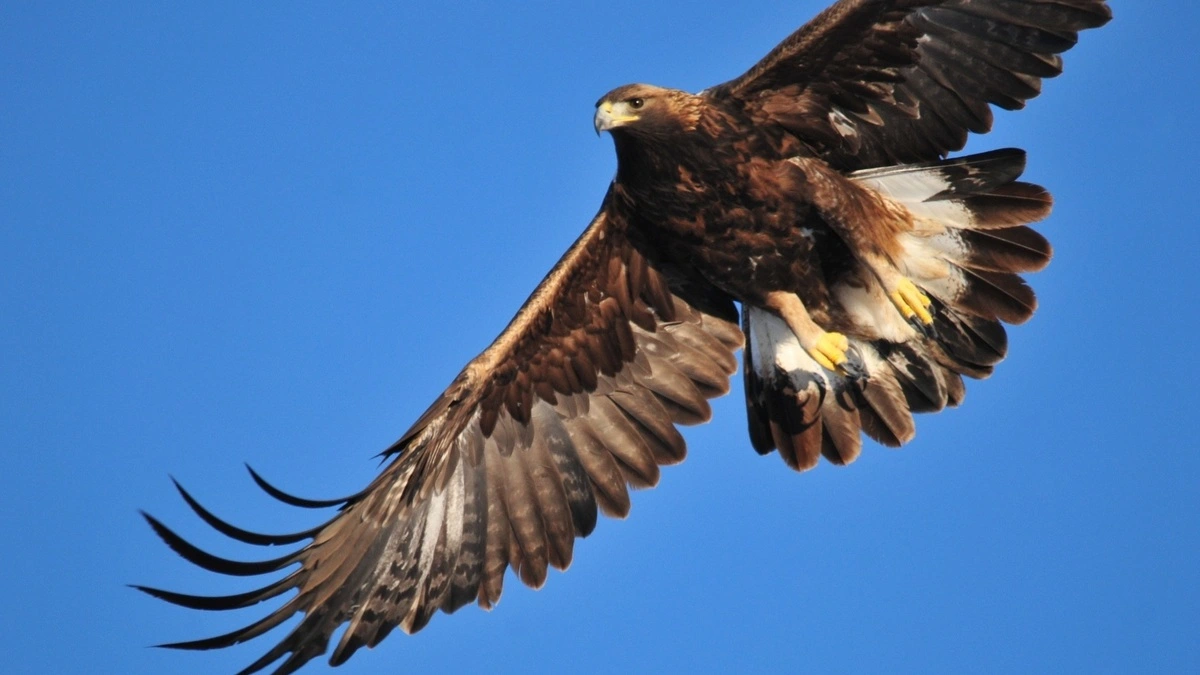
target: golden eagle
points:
(814, 192)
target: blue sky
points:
(273, 233)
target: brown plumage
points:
(872, 274)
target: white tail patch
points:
(777, 349)
(951, 202)
(914, 187)
(867, 305)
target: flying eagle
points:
(814, 192)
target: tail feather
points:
(886, 416)
(784, 408)
(842, 442)
(1008, 205)
(970, 339)
(794, 404)
(796, 427)
(995, 295)
(966, 248)
(921, 380)
(1011, 249)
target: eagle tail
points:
(970, 240)
(967, 248)
(969, 245)
(806, 411)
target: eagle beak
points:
(607, 118)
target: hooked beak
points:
(607, 118)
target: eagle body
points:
(717, 194)
(807, 213)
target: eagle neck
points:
(647, 162)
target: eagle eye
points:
(636, 103)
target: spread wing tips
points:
(210, 562)
(220, 603)
(238, 636)
(237, 533)
(213, 563)
(300, 651)
(293, 500)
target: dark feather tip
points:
(926, 330)
(210, 562)
(223, 602)
(293, 500)
(234, 532)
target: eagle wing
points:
(872, 83)
(577, 398)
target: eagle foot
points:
(830, 350)
(833, 352)
(912, 303)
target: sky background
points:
(273, 233)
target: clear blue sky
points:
(273, 232)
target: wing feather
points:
(878, 82)
(577, 400)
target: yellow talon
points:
(912, 302)
(830, 350)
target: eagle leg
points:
(830, 349)
(872, 228)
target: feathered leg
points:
(830, 349)
(871, 226)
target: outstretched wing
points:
(577, 398)
(879, 82)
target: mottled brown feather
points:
(513, 461)
(628, 336)
(908, 78)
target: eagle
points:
(806, 213)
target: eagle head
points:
(645, 108)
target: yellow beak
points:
(609, 116)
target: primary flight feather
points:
(814, 191)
